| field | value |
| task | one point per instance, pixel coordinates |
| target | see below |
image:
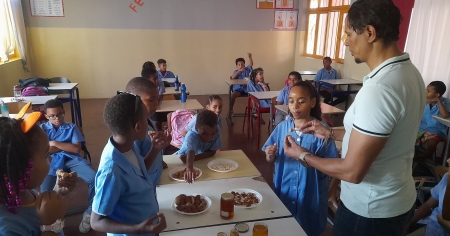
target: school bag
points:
(34, 91)
(34, 81)
(178, 122)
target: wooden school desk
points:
(173, 105)
(268, 95)
(284, 226)
(333, 82)
(35, 100)
(171, 91)
(445, 122)
(74, 97)
(245, 168)
(270, 207)
(326, 109)
(230, 83)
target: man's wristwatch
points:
(55, 227)
(301, 159)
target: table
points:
(326, 109)
(445, 122)
(173, 105)
(246, 167)
(284, 226)
(334, 82)
(268, 95)
(307, 72)
(171, 91)
(74, 99)
(169, 80)
(270, 207)
(230, 83)
(35, 100)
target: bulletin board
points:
(265, 4)
(285, 19)
(47, 8)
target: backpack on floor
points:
(34, 91)
(178, 121)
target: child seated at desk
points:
(427, 212)
(256, 84)
(65, 142)
(431, 132)
(163, 72)
(149, 72)
(283, 97)
(125, 199)
(213, 104)
(241, 72)
(201, 142)
(327, 73)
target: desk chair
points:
(254, 104)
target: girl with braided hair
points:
(257, 84)
(23, 166)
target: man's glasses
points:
(136, 103)
(54, 117)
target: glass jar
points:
(260, 229)
(17, 93)
(226, 206)
(234, 232)
(221, 234)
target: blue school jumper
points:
(283, 95)
(192, 142)
(242, 75)
(168, 74)
(322, 74)
(255, 87)
(304, 191)
(431, 125)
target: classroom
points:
(254, 64)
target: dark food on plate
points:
(180, 174)
(190, 204)
(244, 199)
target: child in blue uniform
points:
(283, 97)
(149, 72)
(149, 96)
(201, 142)
(213, 104)
(257, 84)
(431, 132)
(241, 72)
(163, 72)
(65, 142)
(23, 166)
(304, 191)
(125, 199)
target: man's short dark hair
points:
(148, 72)
(161, 61)
(383, 15)
(439, 87)
(206, 117)
(296, 74)
(119, 113)
(139, 85)
(240, 59)
(53, 103)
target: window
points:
(8, 44)
(325, 34)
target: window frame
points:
(325, 10)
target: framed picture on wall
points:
(265, 4)
(285, 19)
(284, 4)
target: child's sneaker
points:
(85, 224)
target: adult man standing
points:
(377, 189)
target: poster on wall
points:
(47, 8)
(265, 4)
(285, 19)
(284, 4)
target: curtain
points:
(428, 40)
(19, 30)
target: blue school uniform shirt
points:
(25, 222)
(323, 74)
(431, 125)
(161, 87)
(255, 87)
(304, 191)
(144, 147)
(283, 95)
(433, 227)
(123, 192)
(65, 133)
(191, 124)
(192, 142)
(168, 74)
(242, 75)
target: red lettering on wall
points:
(133, 7)
(139, 2)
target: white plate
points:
(246, 190)
(180, 168)
(219, 161)
(208, 205)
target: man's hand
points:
(147, 226)
(292, 149)
(271, 151)
(315, 128)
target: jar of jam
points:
(226, 206)
(234, 232)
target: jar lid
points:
(241, 227)
(221, 234)
(227, 196)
